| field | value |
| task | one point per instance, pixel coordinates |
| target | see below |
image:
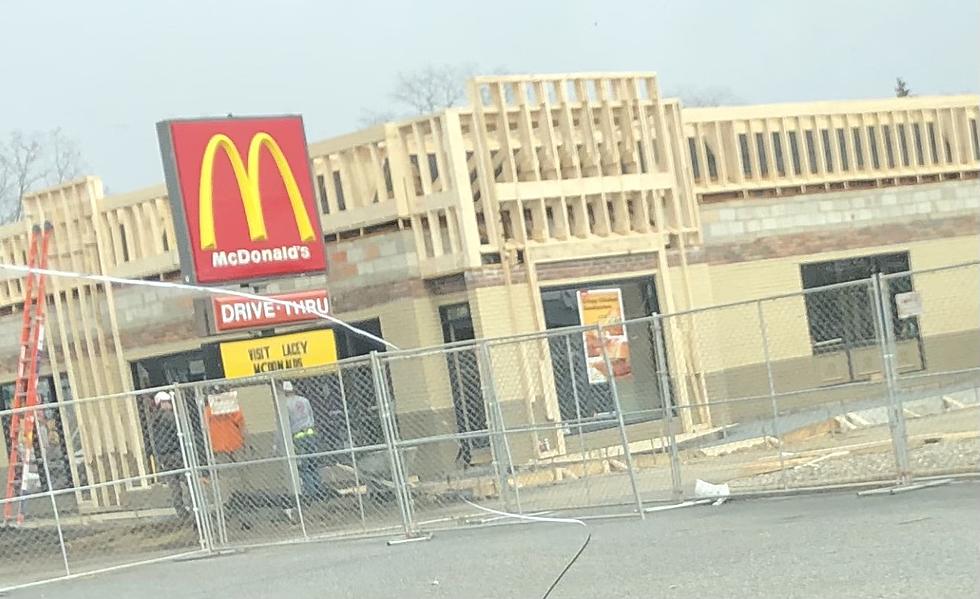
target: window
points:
(433, 167)
(903, 145)
(932, 143)
(777, 150)
(975, 138)
(873, 145)
(842, 144)
(811, 151)
(712, 165)
(858, 147)
(695, 165)
(760, 147)
(794, 147)
(123, 243)
(638, 392)
(321, 190)
(464, 377)
(338, 188)
(842, 317)
(917, 136)
(743, 150)
(886, 133)
(828, 152)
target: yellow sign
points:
(248, 186)
(281, 352)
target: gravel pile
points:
(943, 457)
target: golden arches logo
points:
(248, 186)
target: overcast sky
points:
(107, 71)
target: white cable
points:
(207, 290)
(575, 557)
(523, 517)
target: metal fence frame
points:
(514, 482)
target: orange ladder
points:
(25, 390)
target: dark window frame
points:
(839, 307)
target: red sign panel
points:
(231, 312)
(243, 190)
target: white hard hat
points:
(287, 386)
(162, 396)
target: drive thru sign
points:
(233, 313)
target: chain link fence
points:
(873, 381)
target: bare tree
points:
(902, 89)
(432, 88)
(65, 158)
(28, 159)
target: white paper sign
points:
(909, 304)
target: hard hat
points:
(162, 396)
(287, 386)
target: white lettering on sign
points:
(237, 313)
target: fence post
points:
(627, 454)
(292, 461)
(350, 443)
(496, 422)
(219, 503)
(42, 439)
(586, 457)
(185, 439)
(896, 415)
(667, 405)
(772, 394)
(398, 480)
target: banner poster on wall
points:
(604, 307)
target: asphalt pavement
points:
(923, 543)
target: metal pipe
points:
(675, 466)
(292, 463)
(627, 455)
(772, 396)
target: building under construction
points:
(493, 218)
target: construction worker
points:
(163, 426)
(301, 427)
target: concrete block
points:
(827, 206)
(365, 268)
(863, 214)
(889, 199)
(717, 229)
(725, 214)
(737, 228)
(923, 208)
(891, 212)
(859, 202)
(753, 226)
(909, 209)
(780, 209)
(355, 254)
(744, 213)
(761, 212)
(769, 224)
(944, 205)
(388, 248)
(967, 190)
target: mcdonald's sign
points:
(242, 198)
